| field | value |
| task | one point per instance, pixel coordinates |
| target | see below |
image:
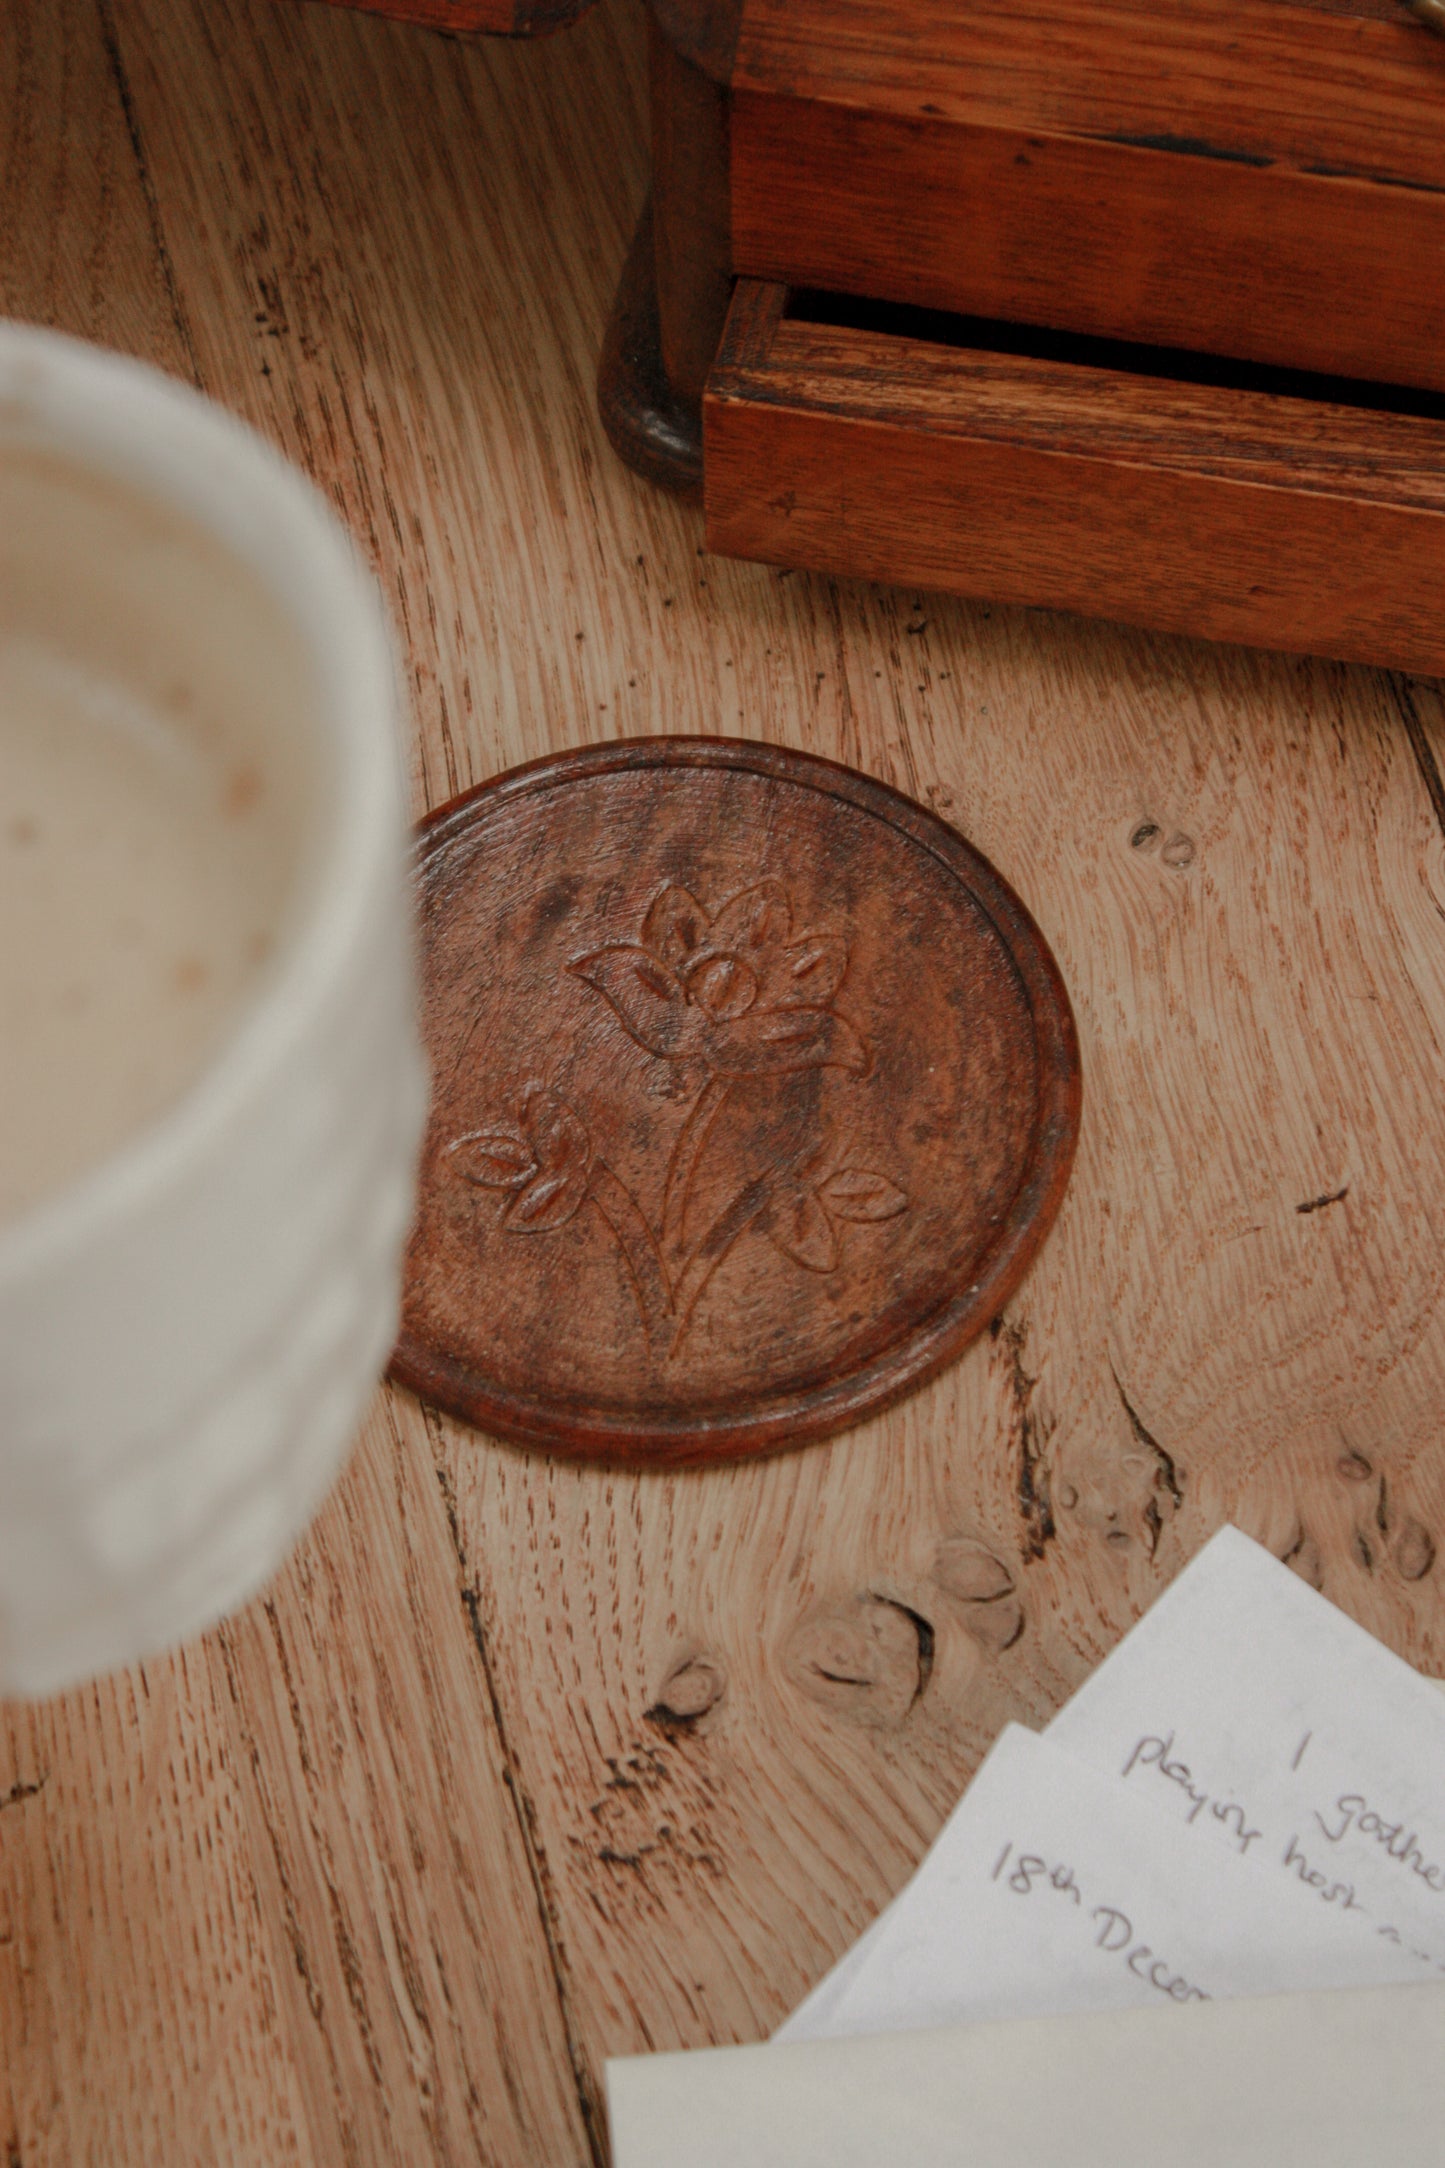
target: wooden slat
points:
(140, 1984)
(1353, 87)
(142, 1997)
(343, 267)
(1336, 275)
(1189, 508)
(417, 1994)
(79, 250)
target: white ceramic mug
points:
(190, 1329)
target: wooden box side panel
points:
(1306, 271)
(1141, 531)
(1352, 86)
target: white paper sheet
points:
(1051, 1889)
(1351, 2080)
(1260, 1716)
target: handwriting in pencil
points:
(1031, 1873)
(1156, 1752)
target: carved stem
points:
(713, 1248)
(682, 1165)
(615, 1204)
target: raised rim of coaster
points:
(741, 1004)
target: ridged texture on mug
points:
(259, 1303)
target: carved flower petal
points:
(722, 987)
(776, 1042)
(807, 973)
(856, 1194)
(492, 1159)
(760, 917)
(649, 1002)
(559, 1137)
(801, 1229)
(675, 928)
(547, 1203)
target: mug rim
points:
(155, 434)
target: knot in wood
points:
(867, 1660)
(969, 1572)
(690, 1690)
(1414, 1551)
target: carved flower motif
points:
(804, 1209)
(546, 1161)
(735, 990)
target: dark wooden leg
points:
(673, 298)
(648, 423)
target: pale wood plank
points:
(139, 2015)
(419, 1999)
(1259, 997)
(80, 249)
(699, 1880)
(384, 1909)
(397, 1866)
(430, 232)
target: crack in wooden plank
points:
(548, 1911)
(17, 1792)
(1324, 1200)
(1421, 747)
(110, 38)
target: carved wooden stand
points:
(1131, 310)
(1135, 312)
(755, 1091)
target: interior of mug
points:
(161, 794)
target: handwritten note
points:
(1248, 1797)
(1262, 1717)
(1053, 1888)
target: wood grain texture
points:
(624, 1760)
(1186, 507)
(140, 1993)
(141, 1996)
(1348, 86)
(1304, 269)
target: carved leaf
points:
(648, 1001)
(802, 1230)
(809, 972)
(759, 918)
(675, 928)
(547, 1203)
(492, 1159)
(856, 1194)
(559, 1138)
(776, 1042)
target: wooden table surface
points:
(517, 1765)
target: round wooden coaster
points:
(755, 1092)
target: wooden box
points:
(1135, 307)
